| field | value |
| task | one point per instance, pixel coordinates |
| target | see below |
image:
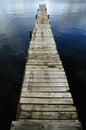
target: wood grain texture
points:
(45, 101)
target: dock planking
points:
(45, 100)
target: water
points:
(68, 23)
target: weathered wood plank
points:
(46, 55)
(48, 69)
(46, 100)
(43, 45)
(45, 89)
(44, 64)
(46, 80)
(46, 125)
(48, 115)
(44, 95)
(45, 71)
(49, 84)
(42, 52)
(41, 71)
(44, 61)
(51, 108)
(48, 77)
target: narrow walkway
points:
(45, 103)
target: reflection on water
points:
(17, 18)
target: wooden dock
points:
(45, 102)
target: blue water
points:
(68, 23)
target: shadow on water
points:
(12, 64)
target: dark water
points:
(68, 23)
